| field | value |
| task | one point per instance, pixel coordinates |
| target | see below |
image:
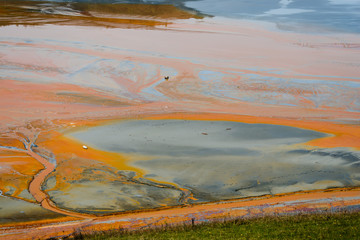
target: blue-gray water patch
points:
(222, 160)
(192, 138)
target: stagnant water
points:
(222, 160)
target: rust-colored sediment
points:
(17, 172)
(310, 201)
(35, 185)
(58, 144)
(39, 195)
(62, 146)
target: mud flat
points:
(312, 201)
(249, 109)
(13, 210)
(127, 174)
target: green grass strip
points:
(344, 225)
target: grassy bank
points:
(344, 225)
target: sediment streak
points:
(41, 197)
(35, 185)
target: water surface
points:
(222, 160)
(295, 15)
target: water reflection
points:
(329, 14)
(332, 14)
(90, 13)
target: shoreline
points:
(75, 147)
(308, 201)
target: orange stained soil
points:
(20, 162)
(17, 171)
(36, 181)
(65, 148)
(41, 222)
(11, 142)
(318, 200)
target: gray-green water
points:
(222, 160)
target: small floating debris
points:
(85, 147)
(166, 78)
(204, 133)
